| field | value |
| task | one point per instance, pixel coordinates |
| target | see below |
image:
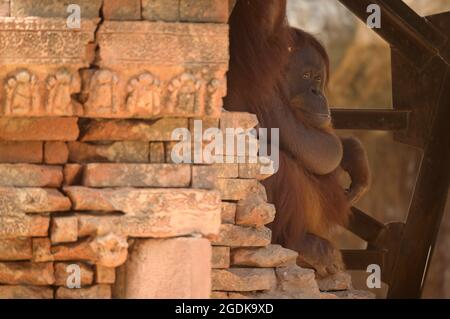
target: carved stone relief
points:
(39, 63)
(22, 94)
(186, 94)
(60, 87)
(103, 93)
(144, 94)
(145, 69)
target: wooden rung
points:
(364, 226)
(356, 259)
(370, 119)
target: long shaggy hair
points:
(261, 43)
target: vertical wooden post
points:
(427, 205)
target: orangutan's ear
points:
(231, 4)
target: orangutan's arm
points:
(319, 151)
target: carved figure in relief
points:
(22, 94)
(186, 94)
(214, 96)
(59, 89)
(144, 94)
(102, 93)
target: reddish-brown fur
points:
(260, 47)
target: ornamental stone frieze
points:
(111, 69)
(40, 61)
(150, 69)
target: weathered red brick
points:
(105, 275)
(220, 257)
(157, 10)
(243, 279)
(25, 292)
(137, 175)
(21, 152)
(72, 174)
(123, 152)
(30, 175)
(132, 130)
(93, 292)
(15, 249)
(26, 273)
(41, 250)
(56, 153)
(204, 10)
(62, 273)
(240, 236)
(64, 229)
(122, 9)
(39, 129)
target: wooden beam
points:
(405, 30)
(370, 119)
(364, 226)
(427, 205)
(357, 259)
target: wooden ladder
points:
(420, 51)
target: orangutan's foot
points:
(319, 254)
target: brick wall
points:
(86, 172)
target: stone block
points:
(337, 282)
(21, 152)
(137, 175)
(41, 250)
(107, 250)
(105, 275)
(16, 201)
(4, 8)
(228, 213)
(148, 212)
(93, 292)
(271, 256)
(64, 229)
(241, 120)
(30, 175)
(157, 152)
(237, 189)
(38, 129)
(158, 10)
(205, 176)
(72, 174)
(56, 153)
(254, 211)
(25, 292)
(23, 225)
(151, 70)
(121, 9)
(62, 273)
(53, 8)
(204, 11)
(39, 64)
(220, 257)
(243, 279)
(123, 152)
(132, 130)
(154, 270)
(240, 236)
(15, 249)
(26, 273)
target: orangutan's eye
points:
(319, 79)
(307, 75)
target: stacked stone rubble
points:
(245, 263)
(86, 122)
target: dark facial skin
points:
(307, 78)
